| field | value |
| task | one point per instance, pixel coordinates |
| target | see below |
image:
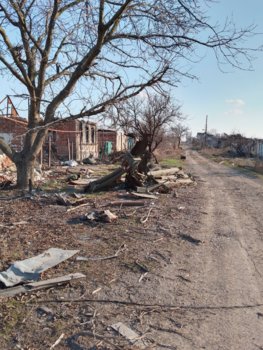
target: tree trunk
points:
(179, 142)
(25, 173)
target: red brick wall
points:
(14, 127)
(60, 139)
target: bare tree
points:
(107, 51)
(148, 117)
(177, 132)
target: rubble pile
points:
(163, 179)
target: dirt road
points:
(227, 268)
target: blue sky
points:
(233, 100)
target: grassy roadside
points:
(171, 162)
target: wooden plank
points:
(129, 334)
(144, 195)
(126, 203)
(34, 286)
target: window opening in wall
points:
(52, 135)
(92, 135)
(87, 134)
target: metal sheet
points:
(30, 269)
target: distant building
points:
(237, 144)
(207, 140)
(259, 148)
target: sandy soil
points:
(189, 278)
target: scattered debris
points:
(64, 199)
(179, 182)
(127, 203)
(96, 258)
(89, 160)
(12, 224)
(101, 216)
(129, 334)
(34, 286)
(57, 341)
(30, 269)
(190, 239)
(142, 276)
(96, 290)
(184, 278)
(45, 311)
(180, 208)
(167, 330)
(144, 195)
(142, 266)
(71, 163)
(157, 186)
(78, 206)
(163, 172)
(145, 219)
(138, 177)
(80, 182)
(72, 340)
(73, 177)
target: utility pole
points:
(205, 140)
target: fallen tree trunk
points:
(129, 166)
(106, 181)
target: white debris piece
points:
(129, 334)
(30, 269)
(71, 163)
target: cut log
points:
(164, 172)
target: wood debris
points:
(144, 195)
(160, 173)
(127, 203)
(99, 258)
(57, 341)
(34, 286)
(190, 239)
(129, 334)
(63, 199)
(145, 219)
(101, 216)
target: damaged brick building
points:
(71, 139)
